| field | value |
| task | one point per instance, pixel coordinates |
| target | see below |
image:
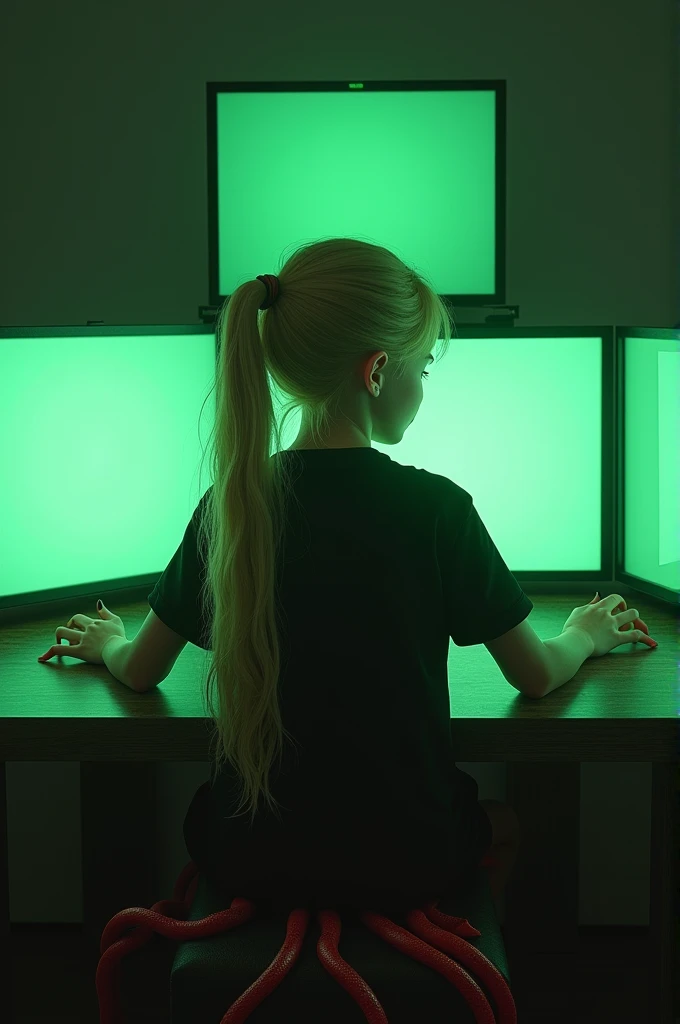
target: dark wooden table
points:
(622, 707)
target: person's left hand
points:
(87, 637)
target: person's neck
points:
(325, 447)
(348, 439)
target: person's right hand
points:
(606, 629)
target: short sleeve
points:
(482, 598)
(175, 598)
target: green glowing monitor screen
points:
(418, 167)
(651, 458)
(102, 473)
(120, 458)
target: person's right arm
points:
(534, 666)
(564, 656)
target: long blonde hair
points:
(340, 300)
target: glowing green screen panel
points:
(652, 460)
(101, 477)
(412, 171)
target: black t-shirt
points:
(382, 564)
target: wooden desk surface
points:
(621, 707)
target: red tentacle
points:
(444, 934)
